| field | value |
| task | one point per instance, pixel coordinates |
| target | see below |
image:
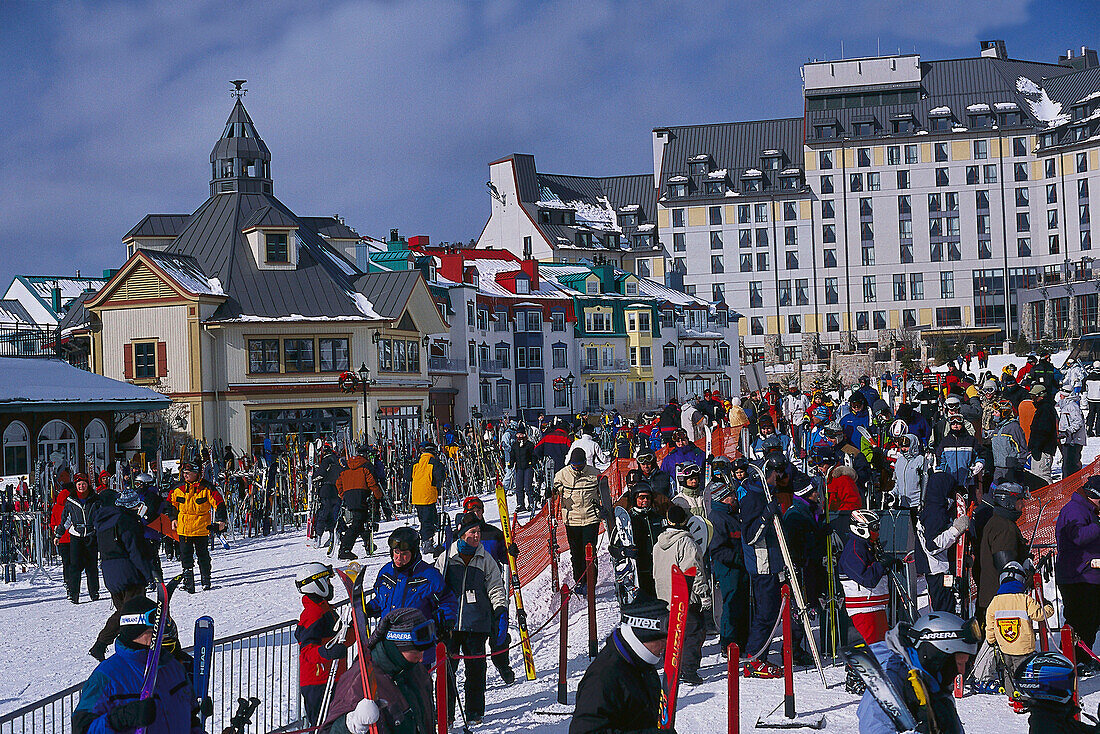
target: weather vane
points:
(238, 90)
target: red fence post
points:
(563, 644)
(1069, 642)
(590, 586)
(733, 703)
(788, 655)
(441, 687)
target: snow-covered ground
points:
(47, 638)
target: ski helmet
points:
(857, 398)
(953, 402)
(898, 428)
(141, 481)
(1004, 407)
(719, 490)
(1013, 571)
(406, 539)
(1006, 494)
(833, 429)
(1046, 677)
(472, 502)
(821, 455)
(686, 471)
(936, 637)
(315, 578)
(646, 457)
(778, 464)
(679, 435)
(740, 464)
(864, 523)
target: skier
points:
(577, 486)
(675, 546)
(325, 475)
(683, 452)
(492, 540)
(764, 564)
(554, 445)
(909, 473)
(621, 690)
(125, 556)
(1046, 683)
(646, 524)
(410, 581)
(659, 480)
(864, 577)
(1072, 436)
(1077, 566)
(1009, 446)
(77, 520)
(199, 507)
(939, 526)
(804, 526)
(847, 453)
(727, 560)
(1092, 395)
(152, 507)
(402, 686)
(428, 475)
(109, 700)
(859, 416)
(689, 482)
(60, 534)
(1043, 438)
(959, 453)
(317, 626)
(521, 461)
(1001, 541)
(795, 407)
(669, 422)
(593, 453)
(1008, 620)
(921, 661)
(475, 580)
(358, 490)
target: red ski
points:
(962, 580)
(674, 646)
(359, 625)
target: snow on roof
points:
(1006, 105)
(1047, 110)
(552, 204)
(629, 208)
(41, 384)
(186, 272)
(752, 172)
(600, 215)
(959, 128)
(771, 152)
(731, 192)
(791, 172)
(677, 179)
(1026, 86)
(647, 227)
(720, 174)
(701, 158)
(70, 287)
(1089, 98)
(365, 306)
(940, 111)
(979, 107)
(294, 317)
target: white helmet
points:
(898, 428)
(863, 522)
(1096, 365)
(315, 578)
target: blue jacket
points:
(873, 720)
(118, 680)
(419, 585)
(124, 553)
(682, 455)
(725, 545)
(858, 563)
(853, 421)
(1078, 537)
(759, 541)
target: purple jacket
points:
(1078, 537)
(690, 453)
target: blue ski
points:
(204, 651)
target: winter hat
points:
(129, 497)
(1039, 389)
(647, 619)
(577, 457)
(719, 491)
(407, 629)
(465, 522)
(1092, 488)
(677, 516)
(138, 615)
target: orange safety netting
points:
(1050, 500)
(533, 537)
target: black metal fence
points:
(262, 663)
(28, 341)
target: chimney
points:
(78, 272)
(450, 265)
(419, 241)
(531, 267)
(994, 49)
(55, 299)
(394, 236)
(1084, 60)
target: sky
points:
(388, 112)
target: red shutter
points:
(128, 361)
(162, 359)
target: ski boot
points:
(206, 582)
(801, 658)
(189, 581)
(854, 684)
(762, 669)
(692, 679)
(986, 686)
(1017, 705)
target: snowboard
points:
(674, 645)
(626, 566)
(513, 570)
(863, 662)
(203, 654)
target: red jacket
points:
(315, 628)
(55, 514)
(843, 494)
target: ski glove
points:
(962, 522)
(360, 719)
(132, 714)
(977, 469)
(521, 617)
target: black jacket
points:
(522, 456)
(79, 515)
(660, 482)
(725, 545)
(124, 554)
(645, 527)
(619, 693)
(670, 417)
(1044, 429)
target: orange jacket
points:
(1026, 409)
(357, 483)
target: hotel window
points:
(908, 318)
(761, 212)
(832, 291)
(744, 214)
(790, 236)
(1049, 168)
(989, 173)
(867, 254)
(756, 326)
(865, 209)
(906, 252)
(716, 264)
(985, 249)
(784, 293)
(981, 199)
(790, 211)
(828, 233)
(953, 251)
(899, 286)
(794, 324)
(791, 260)
(942, 177)
(911, 156)
(939, 151)
(333, 355)
(756, 294)
(826, 184)
(802, 292)
(1086, 239)
(863, 157)
(905, 205)
(916, 286)
(716, 240)
(1023, 222)
(761, 262)
(983, 224)
(677, 217)
(678, 243)
(972, 176)
(869, 289)
(298, 355)
(947, 284)
(1082, 188)
(825, 159)
(744, 238)
(879, 319)
(828, 258)
(1019, 172)
(1082, 162)
(936, 252)
(981, 149)
(1052, 218)
(855, 182)
(276, 249)
(1023, 197)
(717, 292)
(1023, 247)
(832, 322)
(761, 236)
(1052, 193)
(715, 214)
(863, 323)
(1052, 244)
(893, 155)
(746, 262)
(263, 356)
(903, 178)
(827, 209)
(1083, 214)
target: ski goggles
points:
(144, 619)
(471, 503)
(421, 636)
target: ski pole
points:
(563, 645)
(788, 654)
(590, 587)
(733, 701)
(440, 687)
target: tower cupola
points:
(240, 161)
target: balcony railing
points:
(491, 366)
(696, 364)
(607, 365)
(446, 365)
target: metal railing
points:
(446, 364)
(491, 366)
(28, 341)
(607, 365)
(261, 663)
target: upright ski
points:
(152, 662)
(674, 645)
(359, 624)
(204, 652)
(962, 581)
(626, 565)
(513, 569)
(861, 660)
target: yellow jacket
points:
(427, 478)
(1008, 622)
(197, 504)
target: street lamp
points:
(364, 379)
(569, 379)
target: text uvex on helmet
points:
(316, 578)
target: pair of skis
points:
(513, 570)
(620, 533)
(674, 645)
(962, 577)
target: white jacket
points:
(592, 452)
(795, 407)
(1071, 423)
(675, 545)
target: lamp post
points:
(364, 380)
(569, 379)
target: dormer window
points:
(903, 124)
(772, 159)
(631, 288)
(790, 180)
(613, 239)
(592, 287)
(523, 286)
(678, 186)
(587, 239)
(826, 130)
(276, 249)
(475, 279)
(941, 119)
(643, 241)
(699, 165)
(714, 187)
(752, 180)
(628, 220)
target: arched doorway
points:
(57, 445)
(95, 447)
(17, 446)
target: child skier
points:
(1045, 682)
(316, 628)
(864, 577)
(1008, 620)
